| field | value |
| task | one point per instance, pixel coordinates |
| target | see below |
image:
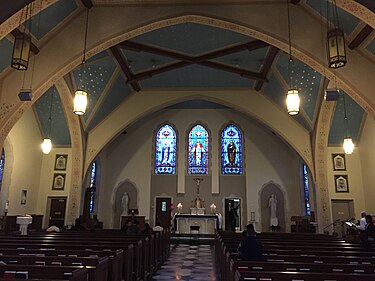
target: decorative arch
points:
(264, 195)
(198, 150)
(165, 150)
(303, 50)
(115, 202)
(231, 140)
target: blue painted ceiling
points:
(107, 86)
(355, 116)
(57, 128)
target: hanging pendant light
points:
(47, 141)
(292, 101)
(348, 144)
(46, 146)
(292, 97)
(335, 39)
(22, 42)
(80, 95)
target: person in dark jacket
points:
(368, 234)
(251, 249)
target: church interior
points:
(188, 115)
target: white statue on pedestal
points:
(124, 204)
(272, 204)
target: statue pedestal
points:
(197, 211)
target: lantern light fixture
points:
(47, 142)
(80, 95)
(348, 144)
(292, 98)
(22, 41)
(335, 38)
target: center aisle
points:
(189, 262)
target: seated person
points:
(78, 225)
(250, 249)
(131, 228)
(147, 229)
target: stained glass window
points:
(2, 162)
(231, 151)
(92, 187)
(198, 150)
(165, 148)
(306, 189)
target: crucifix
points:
(197, 201)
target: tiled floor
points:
(189, 262)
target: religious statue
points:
(198, 151)
(165, 154)
(124, 204)
(272, 204)
(231, 150)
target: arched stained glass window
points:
(306, 189)
(165, 150)
(2, 163)
(198, 150)
(231, 150)
(92, 187)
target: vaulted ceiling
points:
(189, 55)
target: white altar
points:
(207, 223)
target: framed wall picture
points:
(23, 196)
(58, 182)
(341, 183)
(339, 162)
(60, 162)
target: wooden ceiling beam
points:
(150, 73)
(139, 47)
(121, 60)
(250, 46)
(361, 36)
(33, 47)
(270, 58)
(242, 72)
(87, 3)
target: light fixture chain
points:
(37, 36)
(346, 122)
(50, 113)
(290, 65)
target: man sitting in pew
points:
(251, 249)
(368, 234)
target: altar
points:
(208, 223)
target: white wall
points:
(367, 154)
(46, 180)
(24, 140)
(354, 172)
(267, 159)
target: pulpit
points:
(24, 222)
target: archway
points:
(132, 192)
(268, 190)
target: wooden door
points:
(163, 212)
(57, 211)
(342, 210)
(236, 204)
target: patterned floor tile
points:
(188, 263)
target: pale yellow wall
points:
(46, 179)
(354, 172)
(129, 157)
(25, 140)
(367, 153)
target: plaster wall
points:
(355, 181)
(46, 180)
(267, 159)
(367, 154)
(24, 140)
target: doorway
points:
(342, 210)
(163, 211)
(236, 204)
(57, 208)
